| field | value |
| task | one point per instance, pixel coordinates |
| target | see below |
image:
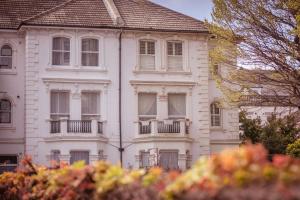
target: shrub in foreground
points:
(243, 173)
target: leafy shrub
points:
(294, 149)
(243, 173)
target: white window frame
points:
(13, 45)
(174, 42)
(146, 54)
(213, 115)
(61, 51)
(90, 52)
(9, 56)
(178, 116)
(147, 116)
(10, 112)
(92, 115)
(67, 115)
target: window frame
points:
(86, 151)
(142, 68)
(174, 42)
(142, 164)
(169, 151)
(61, 51)
(60, 115)
(92, 115)
(213, 115)
(147, 117)
(89, 52)
(7, 56)
(178, 116)
(10, 112)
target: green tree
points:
(294, 149)
(252, 128)
(263, 35)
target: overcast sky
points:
(199, 9)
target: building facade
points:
(108, 80)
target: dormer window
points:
(61, 51)
(147, 54)
(89, 52)
(6, 57)
(175, 58)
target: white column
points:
(162, 107)
(63, 125)
(182, 127)
(94, 126)
(154, 130)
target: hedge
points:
(243, 173)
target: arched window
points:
(6, 57)
(215, 113)
(5, 111)
(61, 51)
(89, 52)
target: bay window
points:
(59, 104)
(147, 106)
(89, 52)
(147, 54)
(61, 51)
(90, 105)
(177, 106)
(168, 159)
(79, 156)
(175, 58)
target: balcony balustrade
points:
(65, 126)
(155, 127)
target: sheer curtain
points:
(89, 104)
(80, 155)
(169, 159)
(147, 55)
(59, 104)
(177, 105)
(89, 52)
(61, 51)
(147, 105)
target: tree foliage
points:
(276, 134)
(294, 149)
(264, 36)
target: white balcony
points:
(176, 128)
(84, 128)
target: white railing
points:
(155, 127)
(64, 126)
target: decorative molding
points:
(12, 141)
(75, 80)
(163, 83)
(170, 138)
(230, 141)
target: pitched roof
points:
(135, 14)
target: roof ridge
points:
(156, 4)
(48, 11)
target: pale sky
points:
(199, 9)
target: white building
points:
(64, 64)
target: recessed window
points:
(90, 105)
(147, 107)
(168, 159)
(61, 51)
(55, 155)
(176, 105)
(89, 52)
(215, 112)
(175, 59)
(59, 104)
(6, 57)
(80, 155)
(147, 55)
(5, 111)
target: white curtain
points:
(168, 159)
(61, 51)
(177, 105)
(147, 104)
(90, 103)
(79, 155)
(90, 52)
(59, 104)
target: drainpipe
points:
(121, 149)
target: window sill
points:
(80, 69)
(217, 128)
(8, 72)
(7, 127)
(162, 72)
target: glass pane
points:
(54, 102)
(89, 59)
(56, 43)
(175, 63)
(177, 104)
(5, 105)
(147, 104)
(142, 47)
(89, 103)
(90, 45)
(63, 102)
(170, 48)
(4, 117)
(178, 48)
(66, 58)
(151, 48)
(6, 51)
(57, 58)
(6, 62)
(66, 44)
(79, 155)
(147, 62)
